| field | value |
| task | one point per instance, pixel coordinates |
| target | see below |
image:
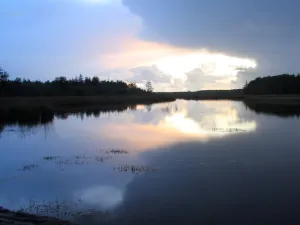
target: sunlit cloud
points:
(175, 62)
(103, 38)
(211, 63)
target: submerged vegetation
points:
(81, 160)
(116, 151)
(29, 167)
(227, 130)
(135, 169)
(93, 159)
(50, 158)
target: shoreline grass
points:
(74, 103)
(58, 104)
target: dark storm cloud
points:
(264, 30)
(233, 25)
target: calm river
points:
(185, 162)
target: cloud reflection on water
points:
(104, 197)
(191, 120)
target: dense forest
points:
(86, 86)
(61, 86)
(274, 85)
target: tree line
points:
(62, 86)
(280, 84)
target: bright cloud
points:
(175, 63)
(104, 38)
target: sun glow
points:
(210, 63)
(176, 62)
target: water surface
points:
(185, 162)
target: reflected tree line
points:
(274, 109)
(29, 120)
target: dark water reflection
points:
(187, 162)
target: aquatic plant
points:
(117, 151)
(29, 167)
(50, 158)
(134, 168)
(228, 129)
(80, 160)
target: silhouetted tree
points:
(80, 79)
(132, 85)
(87, 80)
(246, 84)
(95, 80)
(60, 80)
(149, 87)
(18, 80)
(61, 86)
(3, 79)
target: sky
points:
(178, 45)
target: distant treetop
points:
(271, 85)
(61, 86)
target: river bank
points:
(75, 103)
(61, 103)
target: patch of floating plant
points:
(9, 130)
(84, 159)
(115, 151)
(29, 167)
(228, 130)
(51, 158)
(58, 209)
(135, 168)
(80, 160)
